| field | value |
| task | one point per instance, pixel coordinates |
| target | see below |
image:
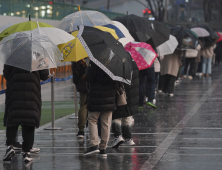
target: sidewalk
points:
(183, 133)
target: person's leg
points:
(126, 130)
(99, 126)
(166, 83)
(209, 62)
(150, 74)
(93, 133)
(141, 89)
(156, 79)
(28, 133)
(187, 62)
(172, 80)
(117, 131)
(204, 65)
(106, 120)
(161, 82)
(192, 67)
(82, 114)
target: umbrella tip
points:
(29, 18)
(79, 8)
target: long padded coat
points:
(23, 96)
(102, 90)
(132, 94)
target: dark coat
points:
(132, 94)
(23, 96)
(78, 70)
(102, 90)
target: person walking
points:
(169, 68)
(190, 57)
(207, 54)
(22, 107)
(78, 69)
(122, 117)
(101, 101)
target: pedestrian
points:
(101, 101)
(147, 86)
(122, 117)
(190, 57)
(22, 107)
(218, 53)
(78, 69)
(157, 71)
(207, 53)
(169, 68)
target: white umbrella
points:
(201, 32)
(128, 38)
(168, 47)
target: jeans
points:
(27, 135)
(206, 65)
(149, 84)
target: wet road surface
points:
(185, 132)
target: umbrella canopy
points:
(213, 34)
(126, 33)
(57, 36)
(201, 32)
(220, 37)
(118, 32)
(2, 28)
(168, 47)
(144, 30)
(74, 51)
(186, 39)
(87, 18)
(142, 53)
(107, 53)
(29, 52)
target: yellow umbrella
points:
(74, 51)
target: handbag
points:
(121, 96)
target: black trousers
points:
(190, 61)
(166, 83)
(27, 135)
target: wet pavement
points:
(185, 132)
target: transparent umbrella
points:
(29, 52)
(86, 18)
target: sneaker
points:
(190, 77)
(185, 76)
(92, 150)
(117, 141)
(128, 142)
(151, 104)
(154, 101)
(102, 154)
(160, 91)
(9, 153)
(177, 81)
(146, 99)
(35, 150)
(171, 94)
(80, 134)
(27, 157)
(17, 146)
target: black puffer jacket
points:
(78, 70)
(23, 96)
(132, 94)
(102, 90)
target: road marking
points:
(162, 148)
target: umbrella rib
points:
(90, 19)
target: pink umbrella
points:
(142, 53)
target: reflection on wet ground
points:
(185, 132)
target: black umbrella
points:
(144, 30)
(107, 53)
(186, 39)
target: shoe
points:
(92, 150)
(177, 81)
(117, 141)
(190, 77)
(151, 104)
(27, 157)
(185, 76)
(80, 134)
(171, 94)
(128, 142)
(207, 75)
(160, 91)
(9, 153)
(17, 146)
(35, 150)
(203, 74)
(154, 101)
(146, 99)
(140, 107)
(102, 153)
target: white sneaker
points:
(117, 141)
(128, 142)
(154, 101)
(160, 91)
(35, 150)
(185, 76)
(171, 94)
(190, 77)
(146, 99)
(177, 81)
